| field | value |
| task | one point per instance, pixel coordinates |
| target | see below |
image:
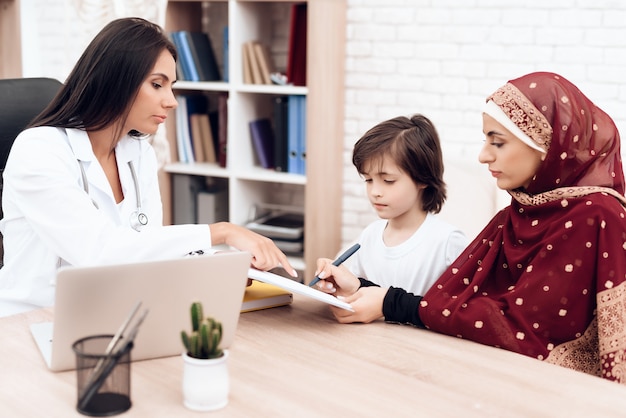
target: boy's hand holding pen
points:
(342, 258)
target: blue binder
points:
(302, 135)
(184, 52)
(293, 135)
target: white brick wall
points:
(437, 57)
(443, 57)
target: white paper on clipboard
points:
(296, 287)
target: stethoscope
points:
(138, 219)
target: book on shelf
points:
(262, 136)
(225, 48)
(183, 137)
(296, 54)
(260, 295)
(196, 138)
(222, 128)
(190, 129)
(253, 62)
(264, 62)
(257, 64)
(208, 143)
(194, 104)
(247, 65)
(202, 56)
(280, 133)
(202, 138)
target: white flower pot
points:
(205, 383)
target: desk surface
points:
(297, 361)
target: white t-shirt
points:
(413, 265)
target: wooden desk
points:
(297, 361)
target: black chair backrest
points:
(21, 99)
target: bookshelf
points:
(318, 191)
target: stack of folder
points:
(261, 295)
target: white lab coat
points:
(49, 219)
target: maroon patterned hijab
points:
(547, 276)
(582, 141)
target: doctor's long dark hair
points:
(103, 85)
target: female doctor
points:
(80, 184)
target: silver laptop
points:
(96, 300)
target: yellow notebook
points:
(261, 295)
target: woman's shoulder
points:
(41, 132)
(40, 139)
(603, 204)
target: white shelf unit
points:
(319, 190)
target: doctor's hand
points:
(367, 303)
(265, 254)
(336, 280)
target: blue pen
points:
(343, 257)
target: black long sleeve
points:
(399, 305)
(366, 283)
(402, 307)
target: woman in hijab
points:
(547, 276)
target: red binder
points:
(296, 58)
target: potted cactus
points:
(205, 373)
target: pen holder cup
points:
(103, 381)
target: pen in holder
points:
(103, 369)
(103, 379)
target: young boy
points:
(409, 247)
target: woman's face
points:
(510, 161)
(155, 97)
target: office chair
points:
(21, 99)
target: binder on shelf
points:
(262, 137)
(260, 295)
(203, 56)
(296, 55)
(185, 190)
(184, 52)
(280, 133)
(302, 134)
(295, 134)
(212, 206)
(292, 136)
(180, 73)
